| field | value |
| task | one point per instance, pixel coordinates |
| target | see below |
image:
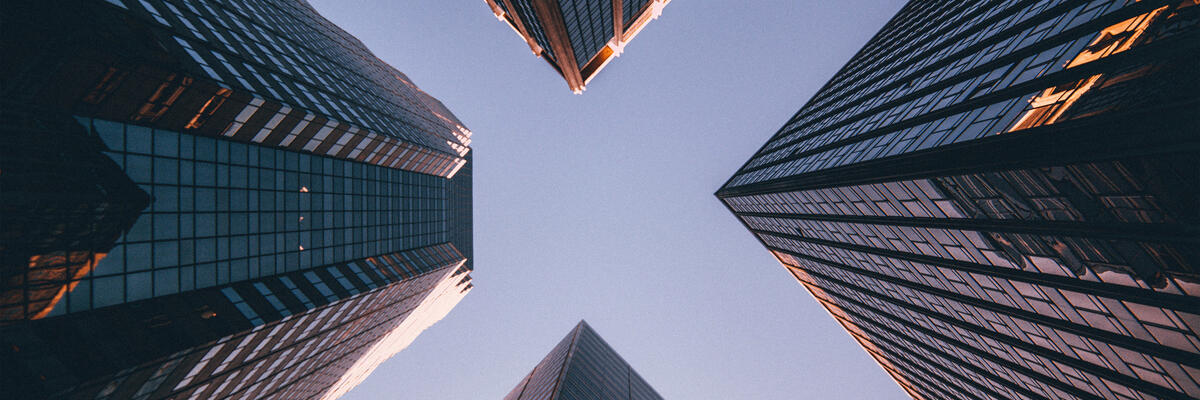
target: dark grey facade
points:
(997, 199)
(582, 366)
(212, 199)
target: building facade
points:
(212, 199)
(997, 199)
(582, 366)
(577, 37)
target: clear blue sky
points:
(600, 206)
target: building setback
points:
(212, 199)
(583, 367)
(577, 37)
(997, 199)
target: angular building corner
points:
(583, 367)
(997, 199)
(216, 199)
(577, 38)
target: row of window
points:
(978, 122)
(533, 25)
(342, 280)
(541, 381)
(631, 9)
(272, 38)
(594, 371)
(142, 141)
(589, 26)
(873, 292)
(915, 198)
(907, 348)
(1104, 355)
(922, 60)
(994, 77)
(281, 352)
(1087, 258)
(777, 160)
(1164, 326)
(306, 353)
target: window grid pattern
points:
(299, 201)
(587, 31)
(631, 9)
(1163, 325)
(788, 223)
(227, 211)
(969, 278)
(534, 25)
(583, 366)
(959, 31)
(303, 365)
(285, 51)
(1097, 192)
(885, 296)
(589, 26)
(1037, 300)
(977, 85)
(324, 340)
(541, 382)
(429, 138)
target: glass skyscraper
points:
(583, 367)
(212, 199)
(577, 37)
(997, 198)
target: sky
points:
(600, 206)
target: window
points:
(241, 305)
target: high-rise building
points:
(583, 367)
(577, 37)
(213, 199)
(997, 199)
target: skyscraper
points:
(577, 37)
(582, 366)
(997, 199)
(211, 199)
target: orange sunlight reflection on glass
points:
(1050, 105)
(49, 277)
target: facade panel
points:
(582, 366)
(212, 199)
(994, 199)
(577, 37)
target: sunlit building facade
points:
(583, 367)
(577, 37)
(997, 199)
(214, 199)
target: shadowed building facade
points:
(997, 199)
(583, 367)
(213, 199)
(577, 37)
